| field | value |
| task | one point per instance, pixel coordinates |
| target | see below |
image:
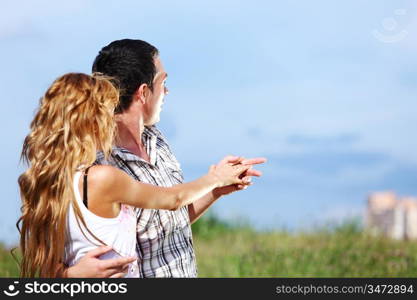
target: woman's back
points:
(118, 232)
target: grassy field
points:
(225, 250)
(8, 266)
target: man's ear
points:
(141, 93)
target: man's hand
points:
(218, 192)
(90, 266)
(198, 208)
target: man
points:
(164, 238)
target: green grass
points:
(235, 250)
(331, 251)
(8, 265)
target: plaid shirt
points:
(164, 238)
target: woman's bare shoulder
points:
(105, 177)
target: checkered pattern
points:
(164, 238)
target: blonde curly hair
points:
(74, 120)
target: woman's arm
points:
(113, 185)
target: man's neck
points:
(129, 134)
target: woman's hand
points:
(228, 174)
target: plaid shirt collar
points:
(150, 136)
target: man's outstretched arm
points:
(199, 207)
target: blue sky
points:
(325, 90)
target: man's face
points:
(155, 98)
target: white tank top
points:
(118, 232)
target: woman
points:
(63, 217)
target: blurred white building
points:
(392, 216)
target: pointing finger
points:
(254, 161)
